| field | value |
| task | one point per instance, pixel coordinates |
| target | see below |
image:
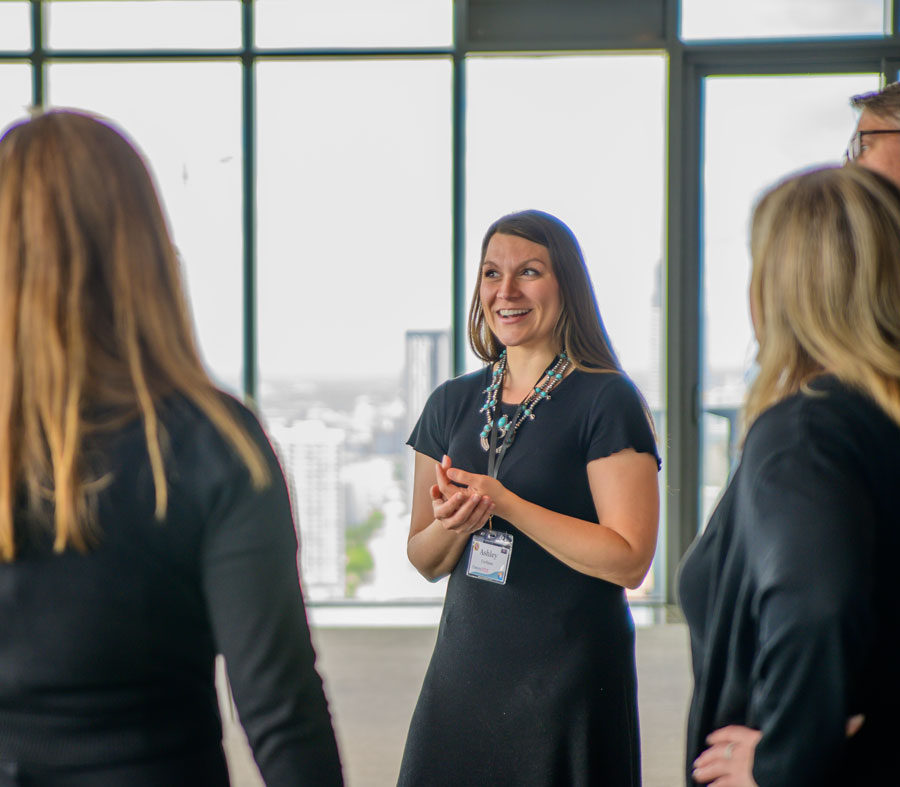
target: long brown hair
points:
(825, 286)
(579, 330)
(92, 318)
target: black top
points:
(791, 594)
(532, 682)
(107, 658)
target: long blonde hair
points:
(825, 286)
(92, 318)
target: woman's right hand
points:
(457, 509)
(442, 517)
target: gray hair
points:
(884, 103)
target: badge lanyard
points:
(495, 457)
(491, 550)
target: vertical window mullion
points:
(248, 111)
(458, 164)
(37, 53)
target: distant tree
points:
(359, 559)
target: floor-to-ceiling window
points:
(758, 91)
(15, 74)
(329, 168)
(582, 137)
(770, 19)
(757, 130)
(185, 117)
(354, 269)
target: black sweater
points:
(107, 657)
(791, 594)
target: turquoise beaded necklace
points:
(504, 429)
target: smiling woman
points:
(571, 521)
(519, 294)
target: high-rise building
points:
(427, 366)
(312, 456)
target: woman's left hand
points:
(482, 485)
(728, 762)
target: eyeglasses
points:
(855, 146)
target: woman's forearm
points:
(441, 521)
(587, 547)
(626, 499)
(435, 551)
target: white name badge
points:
(489, 554)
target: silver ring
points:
(729, 748)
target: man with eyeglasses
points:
(876, 143)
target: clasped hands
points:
(463, 510)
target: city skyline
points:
(354, 207)
(344, 455)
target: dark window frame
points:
(585, 27)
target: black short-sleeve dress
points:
(790, 594)
(532, 682)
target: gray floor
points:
(373, 676)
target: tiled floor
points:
(373, 676)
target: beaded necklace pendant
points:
(507, 428)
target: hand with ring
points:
(728, 762)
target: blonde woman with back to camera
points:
(790, 593)
(144, 519)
